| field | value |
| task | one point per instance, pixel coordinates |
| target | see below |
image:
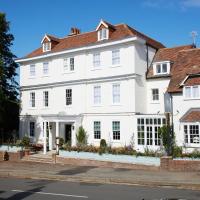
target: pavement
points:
(92, 174)
(29, 189)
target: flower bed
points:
(130, 159)
(10, 148)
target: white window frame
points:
(153, 95)
(191, 88)
(97, 60)
(187, 134)
(161, 64)
(32, 70)
(32, 100)
(97, 130)
(71, 64)
(147, 131)
(116, 94)
(46, 99)
(46, 46)
(103, 34)
(97, 95)
(116, 133)
(65, 65)
(68, 99)
(45, 68)
(31, 129)
(116, 57)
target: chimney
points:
(74, 31)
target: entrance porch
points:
(58, 128)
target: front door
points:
(68, 133)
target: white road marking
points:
(53, 194)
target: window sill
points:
(32, 77)
(116, 104)
(185, 99)
(96, 68)
(69, 72)
(96, 105)
(68, 106)
(43, 76)
(45, 108)
(32, 108)
(115, 66)
(155, 102)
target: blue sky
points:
(168, 21)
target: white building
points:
(112, 82)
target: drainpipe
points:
(172, 121)
(147, 56)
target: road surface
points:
(29, 189)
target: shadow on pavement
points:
(76, 170)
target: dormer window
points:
(161, 68)
(103, 34)
(46, 46)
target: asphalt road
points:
(29, 189)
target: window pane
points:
(45, 98)
(164, 68)
(97, 94)
(71, 64)
(45, 68)
(65, 64)
(155, 94)
(97, 130)
(116, 130)
(188, 92)
(158, 69)
(68, 96)
(195, 91)
(32, 99)
(96, 59)
(115, 57)
(116, 93)
(32, 70)
(194, 134)
(186, 134)
(32, 129)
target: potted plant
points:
(26, 144)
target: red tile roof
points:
(192, 115)
(120, 31)
(193, 80)
(187, 62)
(166, 54)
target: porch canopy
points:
(51, 126)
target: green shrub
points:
(167, 138)
(195, 154)
(61, 142)
(81, 136)
(25, 142)
(103, 143)
(177, 152)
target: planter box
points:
(140, 160)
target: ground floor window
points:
(116, 130)
(32, 129)
(97, 130)
(147, 130)
(192, 133)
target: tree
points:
(9, 103)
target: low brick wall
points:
(85, 162)
(167, 163)
(13, 156)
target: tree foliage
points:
(81, 136)
(9, 104)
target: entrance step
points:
(42, 158)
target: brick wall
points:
(13, 156)
(84, 162)
(167, 163)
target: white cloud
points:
(190, 3)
